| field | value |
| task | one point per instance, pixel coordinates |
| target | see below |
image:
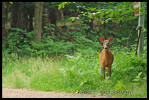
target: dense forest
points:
(55, 46)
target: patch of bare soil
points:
(24, 93)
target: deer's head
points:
(105, 42)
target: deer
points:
(106, 57)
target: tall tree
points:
(3, 19)
(52, 15)
(45, 20)
(5, 10)
(29, 6)
(18, 14)
(140, 33)
(52, 12)
(38, 21)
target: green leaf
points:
(139, 75)
(118, 40)
(11, 2)
(124, 38)
(102, 22)
(91, 16)
(106, 21)
(62, 5)
(18, 41)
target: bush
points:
(18, 41)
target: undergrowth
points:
(71, 66)
(76, 73)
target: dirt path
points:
(23, 93)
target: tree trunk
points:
(38, 21)
(14, 15)
(5, 10)
(30, 15)
(25, 19)
(62, 15)
(31, 28)
(140, 33)
(45, 20)
(19, 18)
(52, 16)
(4, 16)
(30, 12)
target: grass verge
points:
(76, 73)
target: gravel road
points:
(24, 93)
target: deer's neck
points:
(106, 53)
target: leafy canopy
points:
(106, 11)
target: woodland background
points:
(54, 46)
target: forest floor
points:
(24, 93)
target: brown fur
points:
(106, 57)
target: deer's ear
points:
(110, 38)
(101, 39)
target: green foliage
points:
(114, 11)
(66, 59)
(52, 48)
(74, 18)
(18, 40)
(117, 17)
(22, 43)
(62, 5)
(121, 12)
(128, 66)
(11, 2)
(78, 72)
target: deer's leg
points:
(103, 68)
(109, 71)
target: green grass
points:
(77, 72)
